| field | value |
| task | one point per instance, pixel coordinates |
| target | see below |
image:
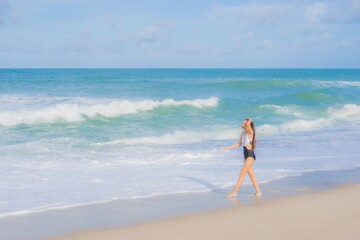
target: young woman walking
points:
(248, 139)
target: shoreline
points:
(127, 213)
(212, 188)
(326, 214)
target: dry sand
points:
(329, 214)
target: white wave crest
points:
(338, 83)
(177, 137)
(78, 112)
(285, 110)
(299, 125)
(347, 111)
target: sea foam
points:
(176, 137)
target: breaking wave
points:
(74, 112)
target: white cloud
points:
(266, 44)
(81, 42)
(166, 23)
(344, 43)
(76, 47)
(4, 6)
(314, 39)
(149, 34)
(122, 38)
(354, 12)
(243, 40)
(160, 32)
(353, 44)
(195, 48)
(285, 17)
(324, 14)
(317, 39)
(253, 13)
(314, 13)
(153, 38)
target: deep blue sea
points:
(79, 136)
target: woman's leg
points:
(247, 165)
(253, 180)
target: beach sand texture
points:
(329, 214)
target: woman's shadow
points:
(210, 186)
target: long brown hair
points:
(252, 125)
(253, 141)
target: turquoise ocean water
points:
(79, 136)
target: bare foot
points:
(230, 195)
(258, 194)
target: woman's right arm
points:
(238, 144)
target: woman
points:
(248, 138)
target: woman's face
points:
(243, 126)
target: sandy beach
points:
(327, 214)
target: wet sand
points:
(328, 214)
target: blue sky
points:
(179, 34)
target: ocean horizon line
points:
(177, 68)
